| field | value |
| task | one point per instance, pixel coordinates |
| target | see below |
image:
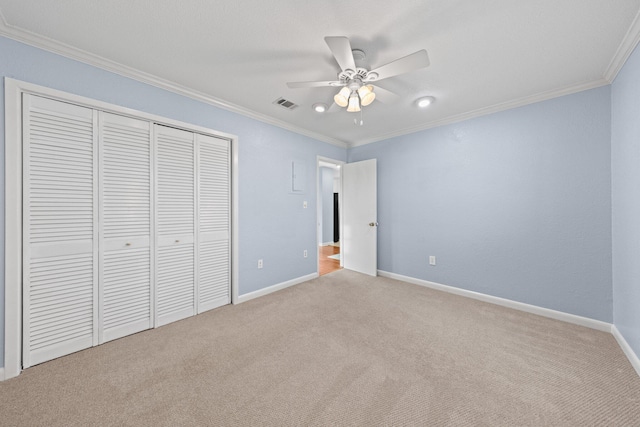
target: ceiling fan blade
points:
(416, 60)
(385, 96)
(341, 49)
(297, 85)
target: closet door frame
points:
(14, 90)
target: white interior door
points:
(125, 226)
(175, 227)
(359, 244)
(214, 222)
(60, 236)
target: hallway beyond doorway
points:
(327, 264)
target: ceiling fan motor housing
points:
(361, 75)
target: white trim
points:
(532, 99)
(71, 52)
(25, 87)
(628, 44)
(274, 288)
(626, 348)
(540, 311)
(13, 200)
(235, 222)
(1, 374)
(13, 230)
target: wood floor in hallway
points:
(329, 265)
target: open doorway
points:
(329, 224)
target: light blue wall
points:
(625, 195)
(273, 224)
(327, 204)
(514, 204)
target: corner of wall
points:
(626, 348)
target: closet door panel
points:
(125, 191)
(214, 277)
(127, 292)
(175, 215)
(59, 229)
(175, 283)
(214, 222)
(175, 165)
(60, 307)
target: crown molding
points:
(80, 55)
(532, 99)
(628, 44)
(626, 47)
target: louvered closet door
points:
(214, 225)
(175, 227)
(125, 255)
(60, 280)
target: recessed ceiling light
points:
(425, 101)
(319, 107)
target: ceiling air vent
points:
(285, 103)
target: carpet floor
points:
(343, 349)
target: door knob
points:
(373, 224)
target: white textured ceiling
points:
(486, 55)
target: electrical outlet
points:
(432, 260)
(259, 263)
(305, 254)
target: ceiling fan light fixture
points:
(366, 95)
(354, 103)
(342, 97)
(425, 101)
(319, 107)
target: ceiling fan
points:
(356, 82)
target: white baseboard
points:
(534, 309)
(628, 351)
(277, 287)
